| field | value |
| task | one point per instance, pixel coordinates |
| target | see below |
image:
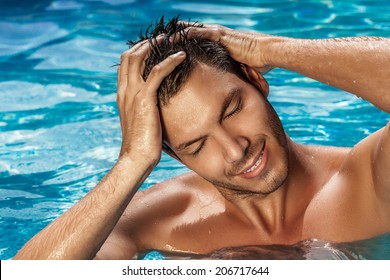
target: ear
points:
(256, 79)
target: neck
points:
(282, 210)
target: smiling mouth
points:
(257, 166)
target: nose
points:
(234, 147)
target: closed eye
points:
(200, 148)
(235, 110)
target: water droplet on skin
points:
(169, 247)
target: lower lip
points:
(254, 173)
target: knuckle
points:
(126, 53)
(124, 56)
(139, 98)
(191, 31)
(156, 70)
(129, 54)
(142, 102)
(218, 29)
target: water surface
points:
(59, 126)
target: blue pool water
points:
(59, 126)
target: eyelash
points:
(235, 111)
(194, 154)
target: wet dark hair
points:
(198, 50)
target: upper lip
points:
(252, 162)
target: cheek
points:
(250, 120)
(210, 164)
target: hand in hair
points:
(250, 48)
(137, 102)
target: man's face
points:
(225, 130)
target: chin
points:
(267, 184)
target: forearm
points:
(358, 65)
(81, 231)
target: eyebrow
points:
(231, 95)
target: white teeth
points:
(255, 165)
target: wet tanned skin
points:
(250, 184)
(233, 124)
(236, 212)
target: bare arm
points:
(82, 230)
(359, 65)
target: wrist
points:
(277, 52)
(139, 162)
(129, 173)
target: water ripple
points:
(21, 96)
(59, 125)
(77, 54)
(220, 9)
(19, 37)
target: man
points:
(251, 184)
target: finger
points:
(189, 23)
(118, 74)
(184, 26)
(195, 33)
(122, 69)
(125, 59)
(120, 111)
(153, 42)
(162, 70)
(122, 76)
(121, 87)
(137, 60)
(136, 65)
(125, 54)
(138, 45)
(120, 98)
(211, 33)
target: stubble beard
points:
(273, 181)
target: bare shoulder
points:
(173, 196)
(353, 199)
(356, 172)
(369, 162)
(153, 213)
(368, 157)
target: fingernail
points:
(181, 53)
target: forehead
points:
(197, 103)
